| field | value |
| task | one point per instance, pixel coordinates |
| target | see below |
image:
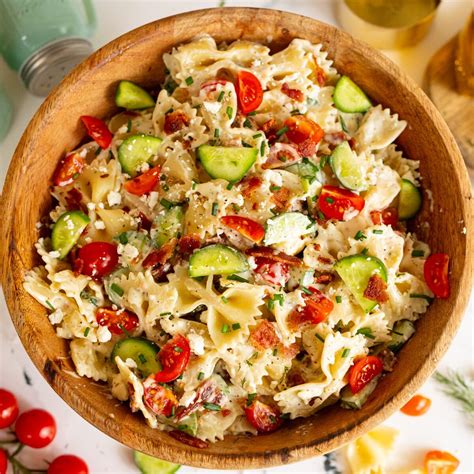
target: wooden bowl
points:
(89, 89)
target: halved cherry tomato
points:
(118, 321)
(249, 92)
(68, 169)
(159, 399)
(96, 259)
(435, 271)
(97, 129)
(174, 357)
(340, 204)
(281, 155)
(264, 418)
(275, 273)
(316, 310)
(440, 462)
(363, 371)
(3, 462)
(416, 406)
(211, 86)
(68, 464)
(388, 216)
(175, 121)
(247, 227)
(143, 183)
(8, 408)
(35, 428)
(304, 132)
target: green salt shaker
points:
(44, 39)
(5, 113)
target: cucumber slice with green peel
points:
(401, 332)
(307, 171)
(410, 200)
(355, 271)
(349, 97)
(67, 230)
(109, 280)
(168, 225)
(287, 225)
(140, 350)
(137, 150)
(216, 259)
(225, 162)
(353, 401)
(189, 424)
(150, 465)
(346, 167)
(131, 96)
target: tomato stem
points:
(9, 441)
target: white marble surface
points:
(443, 427)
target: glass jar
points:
(44, 39)
(5, 113)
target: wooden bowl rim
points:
(184, 454)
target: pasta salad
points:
(233, 252)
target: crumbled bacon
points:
(281, 154)
(336, 138)
(160, 256)
(269, 128)
(294, 94)
(175, 121)
(187, 244)
(294, 378)
(189, 440)
(249, 185)
(288, 352)
(263, 336)
(73, 200)
(324, 278)
(325, 260)
(271, 254)
(281, 197)
(376, 289)
(143, 222)
(319, 73)
(307, 147)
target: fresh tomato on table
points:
(143, 183)
(69, 168)
(68, 464)
(118, 321)
(416, 406)
(264, 418)
(363, 371)
(249, 92)
(35, 428)
(245, 226)
(97, 129)
(338, 203)
(96, 259)
(174, 357)
(3, 462)
(440, 462)
(8, 408)
(436, 274)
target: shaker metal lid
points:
(48, 66)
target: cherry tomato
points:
(68, 169)
(8, 408)
(249, 92)
(68, 464)
(275, 273)
(315, 311)
(417, 406)
(247, 227)
(363, 371)
(174, 357)
(388, 216)
(340, 204)
(143, 183)
(97, 129)
(3, 462)
(159, 399)
(118, 321)
(35, 428)
(264, 418)
(305, 133)
(96, 259)
(440, 462)
(435, 271)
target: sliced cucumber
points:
(401, 332)
(307, 171)
(349, 97)
(410, 200)
(137, 150)
(109, 280)
(168, 225)
(352, 401)
(217, 259)
(67, 230)
(346, 167)
(131, 96)
(150, 465)
(289, 225)
(227, 163)
(140, 350)
(189, 424)
(355, 271)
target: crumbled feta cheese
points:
(99, 225)
(464, 231)
(56, 316)
(54, 254)
(103, 334)
(127, 254)
(152, 199)
(196, 343)
(91, 206)
(144, 167)
(212, 107)
(101, 205)
(38, 225)
(131, 364)
(83, 153)
(114, 198)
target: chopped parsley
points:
(367, 332)
(189, 80)
(86, 331)
(215, 208)
(364, 251)
(251, 114)
(418, 253)
(117, 289)
(220, 96)
(229, 111)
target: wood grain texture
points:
(137, 56)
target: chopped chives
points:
(225, 328)
(247, 123)
(166, 204)
(211, 406)
(229, 111)
(235, 326)
(178, 349)
(129, 125)
(217, 132)
(338, 299)
(99, 149)
(189, 80)
(345, 352)
(224, 299)
(418, 253)
(123, 238)
(250, 398)
(329, 200)
(321, 216)
(193, 186)
(142, 358)
(200, 376)
(364, 251)
(257, 135)
(169, 111)
(279, 297)
(251, 114)
(360, 235)
(86, 331)
(281, 132)
(165, 187)
(306, 290)
(230, 186)
(215, 208)
(220, 96)
(237, 278)
(425, 297)
(367, 332)
(246, 145)
(50, 306)
(117, 289)
(167, 313)
(262, 148)
(319, 337)
(274, 188)
(275, 352)
(377, 231)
